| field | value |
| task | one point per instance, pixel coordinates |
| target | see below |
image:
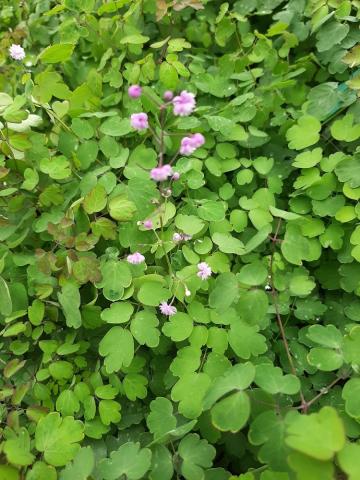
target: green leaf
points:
(61, 370)
(196, 455)
(238, 377)
(17, 449)
(135, 386)
(348, 459)
(212, 211)
(331, 34)
(253, 274)
(308, 159)
(161, 419)
(189, 224)
(228, 243)
(121, 209)
(40, 471)
(271, 380)
(246, 341)
(117, 313)
(58, 168)
(191, 405)
(326, 335)
(225, 292)
(36, 312)
(351, 395)
(319, 435)
(152, 293)
(129, 460)
(178, 327)
(161, 464)
(81, 467)
(118, 349)
(143, 328)
(135, 39)
(348, 170)
(309, 468)
(116, 276)
(70, 300)
(115, 127)
(305, 133)
(231, 413)
(109, 411)
(95, 200)
(6, 302)
(67, 403)
(344, 130)
(168, 75)
(267, 431)
(57, 438)
(82, 128)
(57, 53)
(31, 179)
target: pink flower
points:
(134, 91)
(148, 224)
(139, 121)
(168, 95)
(135, 258)
(16, 52)
(204, 271)
(190, 144)
(198, 139)
(176, 176)
(160, 174)
(184, 104)
(187, 146)
(167, 309)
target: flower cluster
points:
(181, 237)
(167, 309)
(17, 52)
(162, 173)
(139, 121)
(184, 104)
(204, 271)
(135, 258)
(190, 144)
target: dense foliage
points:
(227, 345)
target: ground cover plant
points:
(180, 240)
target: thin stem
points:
(162, 120)
(304, 404)
(323, 391)
(161, 243)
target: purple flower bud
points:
(148, 224)
(134, 91)
(168, 95)
(176, 176)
